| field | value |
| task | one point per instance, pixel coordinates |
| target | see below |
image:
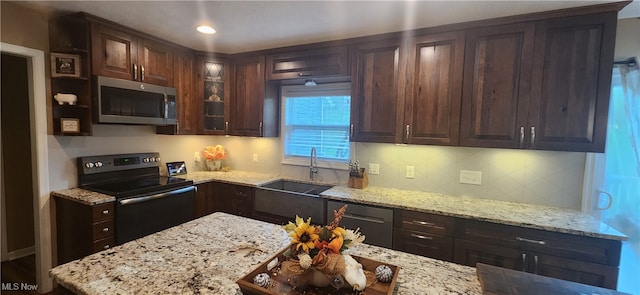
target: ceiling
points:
(252, 25)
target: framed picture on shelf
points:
(65, 65)
(70, 125)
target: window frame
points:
(305, 161)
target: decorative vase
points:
(214, 165)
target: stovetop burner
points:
(126, 175)
(121, 189)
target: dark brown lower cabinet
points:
(424, 244)
(234, 199)
(206, 202)
(82, 229)
(569, 257)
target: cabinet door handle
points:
(106, 229)
(421, 237)
(533, 136)
(535, 264)
(521, 136)
(538, 242)
(177, 126)
(406, 133)
(226, 127)
(524, 261)
(135, 72)
(141, 73)
(260, 127)
(351, 131)
(105, 212)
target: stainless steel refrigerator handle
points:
(363, 218)
(156, 196)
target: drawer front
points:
(102, 229)
(102, 212)
(424, 222)
(581, 248)
(235, 191)
(423, 244)
(103, 244)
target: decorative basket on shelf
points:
(316, 262)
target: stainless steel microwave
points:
(119, 101)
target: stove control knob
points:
(88, 165)
(98, 164)
(157, 159)
(145, 160)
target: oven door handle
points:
(156, 196)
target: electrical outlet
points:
(255, 158)
(196, 156)
(374, 169)
(411, 171)
(471, 177)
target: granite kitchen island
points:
(208, 255)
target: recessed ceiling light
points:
(206, 29)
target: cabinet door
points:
(155, 62)
(235, 199)
(114, 52)
(496, 86)
(471, 252)
(377, 92)
(434, 90)
(214, 92)
(247, 107)
(184, 80)
(571, 83)
(573, 270)
(329, 61)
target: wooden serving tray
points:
(373, 288)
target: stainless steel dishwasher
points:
(374, 222)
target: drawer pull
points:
(524, 261)
(105, 212)
(418, 222)
(363, 218)
(421, 237)
(106, 229)
(106, 247)
(531, 241)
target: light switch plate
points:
(374, 169)
(255, 158)
(471, 177)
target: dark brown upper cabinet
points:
(496, 86)
(254, 109)
(214, 95)
(433, 93)
(184, 64)
(571, 83)
(539, 85)
(120, 54)
(319, 62)
(377, 91)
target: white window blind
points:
(316, 117)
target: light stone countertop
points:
(84, 196)
(208, 255)
(519, 214)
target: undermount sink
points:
(296, 187)
(288, 198)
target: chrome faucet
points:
(313, 169)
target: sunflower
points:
(303, 234)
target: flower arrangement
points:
(214, 153)
(322, 249)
